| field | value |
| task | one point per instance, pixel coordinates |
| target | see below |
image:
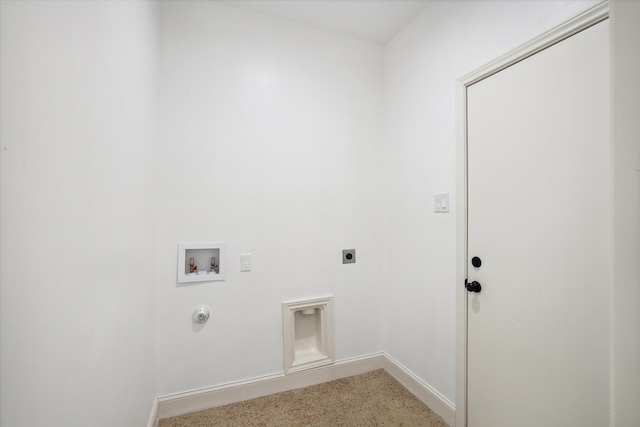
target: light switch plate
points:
(441, 202)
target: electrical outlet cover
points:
(245, 262)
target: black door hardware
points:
(473, 286)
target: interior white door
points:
(539, 192)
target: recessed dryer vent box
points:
(308, 334)
(201, 262)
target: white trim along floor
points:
(197, 400)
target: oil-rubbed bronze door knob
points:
(473, 287)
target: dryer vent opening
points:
(308, 334)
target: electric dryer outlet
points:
(348, 256)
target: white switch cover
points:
(442, 203)
(245, 262)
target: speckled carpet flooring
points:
(371, 399)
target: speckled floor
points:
(371, 399)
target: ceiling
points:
(373, 21)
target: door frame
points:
(573, 26)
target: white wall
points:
(625, 39)
(78, 124)
(421, 65)
(270, 140)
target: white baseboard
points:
(197, 400)
(211, 397)
(423, 391)
(153, 417)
